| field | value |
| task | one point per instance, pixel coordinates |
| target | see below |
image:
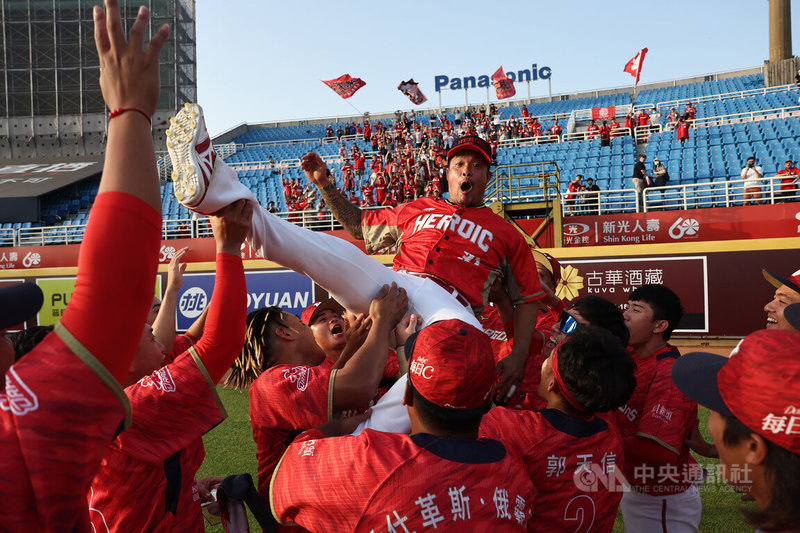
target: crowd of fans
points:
(483, 417)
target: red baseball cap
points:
(549, 262)
(793, 282)
(474, 143)
(759, 384)
(312, 311)
(451, 364)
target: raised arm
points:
(345, 212)
(223, 335)
(357, 383)
(164, 324)
(123, 234)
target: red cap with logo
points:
(759, 384)
(474, 143)
(311, 312)
(451, 364)
(792, 282)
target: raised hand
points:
(315, 169)
(129, 76)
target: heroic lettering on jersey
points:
(161, 379)
(18, 398)
(297, 375)
(463, 227)
(419, 368)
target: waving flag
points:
(503, 84)
(345, 85)
(634, 66)
(410, 88)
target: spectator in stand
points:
(752, 175)
(643, 119)
(655, 116)
(789, 176)
(682, 130)
(690, 111)
(380, 190)
(673, 116)
(366, 191)
(574, 186)
(614, 126)
(605, 134)
(630, 121)
(592, 130)
(660, 174)
(555, 129)
(640, 180)
(536, 127)
(359, 162)
(271, 207)
(592, 201)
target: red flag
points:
(634, 66)
(604, 113)
(503, 84)
(344, 85)
(410, 88)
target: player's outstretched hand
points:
(204, 488)
(176, 269)
(511, 369)
(406, 328)
(389, 305)
(315, 169)
(128, 71)
(230, 226)
(355, 336)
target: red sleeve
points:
(292, 397)
(172, 407)
(521, 275)
(642, 451)
(380, 228)
(117, 263)
(223, 334)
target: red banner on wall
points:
(713, 224)
(604, 113)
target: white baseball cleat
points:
(193, 157)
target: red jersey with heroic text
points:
(466, 247)
(366, 190)
(657, 410)
(55, 398)
(568, 461)
(154, 462)
(387, 482)
(380, 192)
(284, 401)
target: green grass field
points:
(230, 450)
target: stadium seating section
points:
(713, 153)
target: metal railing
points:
(589, 135)
(8, 237)
(529, 182)
(599, 202)
(582, 115)
(741, 118)
(529, 141)
(717, 97)
(715, 194)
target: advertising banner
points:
(283, 288)
(713, 224)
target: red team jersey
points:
(466, 247)
(39, 413)
(557, 449)
(284, 401)
(659, 411)
(387, 482)
(154, 462)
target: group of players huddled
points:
(452, 392)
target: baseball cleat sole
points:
(191, 153)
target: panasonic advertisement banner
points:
(443, 82)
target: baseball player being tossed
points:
(449, 252)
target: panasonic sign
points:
(534, 73)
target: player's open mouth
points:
(771, 322)
(337, 329)
(466, 187)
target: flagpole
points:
(354, 107)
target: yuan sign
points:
(534, 73)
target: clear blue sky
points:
(263, 61)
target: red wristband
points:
(117, 112)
